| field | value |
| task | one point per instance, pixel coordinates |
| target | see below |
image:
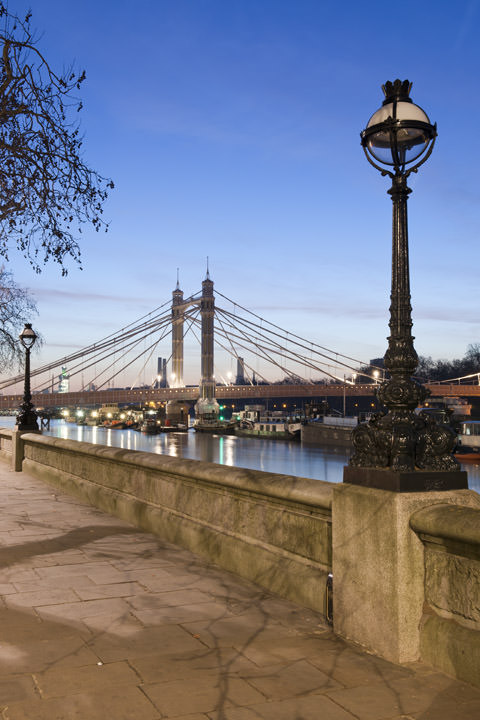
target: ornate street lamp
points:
(27, 418)
(400, 450)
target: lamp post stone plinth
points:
(400, 450)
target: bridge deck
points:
(229, 393)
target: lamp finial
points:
(398, 90)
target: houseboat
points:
(468, 443)
(329, 430)
(214, 426)
(255, 421)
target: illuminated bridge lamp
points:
(399, 450)
(27, 418)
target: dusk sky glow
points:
(231, 128)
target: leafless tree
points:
(46, 191)
(16, 308)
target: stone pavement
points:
(100, 621)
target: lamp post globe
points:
(399, 135)
(391, 449)
(27, 418)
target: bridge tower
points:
(178, 309)
(177, 411)
(207, 406)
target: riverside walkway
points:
(99, 620)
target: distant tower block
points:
(178, 309)
(161, 373)
(240, 379)
(207, 405)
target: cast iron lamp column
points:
(393, 446)
(27, 418)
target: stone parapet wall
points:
(272, 529)
(406, 566)
(450, 632)
(5, 444)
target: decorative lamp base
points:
(398, 481)
(27, 419)
(27, 428)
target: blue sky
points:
(231, 129)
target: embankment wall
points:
(276, 530)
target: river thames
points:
(288, 458)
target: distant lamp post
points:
(392, 448)
(27, 418)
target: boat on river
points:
(255, 421)
(329, 430)
(214, 426)
(150, 427)
(176, 427)
(468, 442)
(114, 425)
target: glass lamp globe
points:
(399, 132)
(27, 336)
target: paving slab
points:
(99, 620)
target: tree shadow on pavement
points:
(13, 554)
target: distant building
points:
(240, 379)
(63, 381)
(161, 381)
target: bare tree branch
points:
(46, 191)
(16, 308)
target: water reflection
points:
(268, 455)
(287, 458)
